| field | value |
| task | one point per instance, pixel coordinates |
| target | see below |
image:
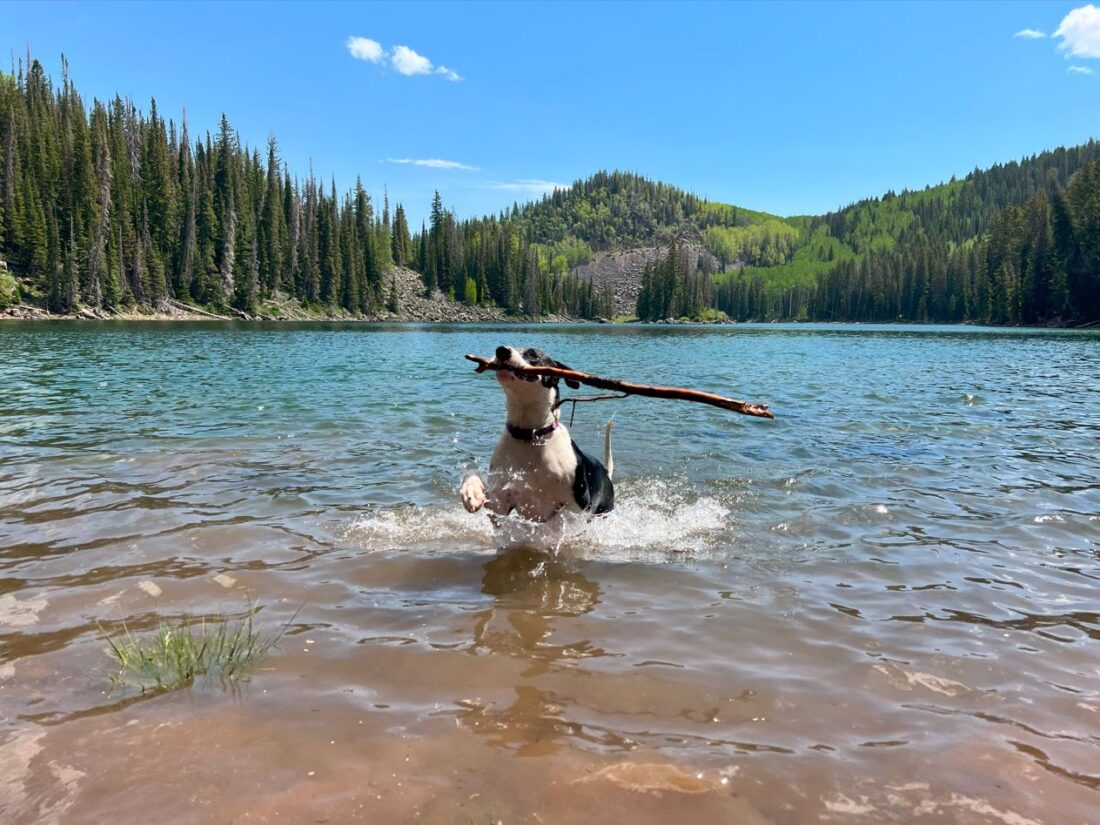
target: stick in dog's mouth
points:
(615, 385)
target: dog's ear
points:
(569, 382)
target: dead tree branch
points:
(614, 385)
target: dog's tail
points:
(608, 461)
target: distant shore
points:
(465, 315)
(456, 314)
(413, 306)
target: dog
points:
(537, 469)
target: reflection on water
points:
(532, 591)
(528, 580)
(881, 606)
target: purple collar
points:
(535, 436)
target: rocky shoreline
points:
(438, 311)
(412, 307)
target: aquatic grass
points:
(184, 649)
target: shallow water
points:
(882, 606)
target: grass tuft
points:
(185, 649)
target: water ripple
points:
(883, 604)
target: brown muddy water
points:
(883, 606)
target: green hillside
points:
(107, 207)
(927, 256)
(619, 210)
(936, 254)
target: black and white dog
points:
(537, 470)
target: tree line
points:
(680, 284)
(1018, 243)
(109, 207)
(1036, 262)
(493, 261)
(1012, 244)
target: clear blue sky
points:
(789, 107)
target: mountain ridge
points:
(107, 208)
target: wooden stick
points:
(675, 393)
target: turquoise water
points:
(894, 584)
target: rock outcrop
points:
(414, 305)
(623, 270)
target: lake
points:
(882, 606)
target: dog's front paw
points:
(473, 493)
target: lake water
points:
(882, 606)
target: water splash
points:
(654, 521)
(412, 528)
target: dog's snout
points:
(503, 354)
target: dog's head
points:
(529, 388)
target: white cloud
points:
(1080, 70)
(408, 62)
(403, 59)
(1080, 32)
(1030, 34)
(529, 186)
(433, 163)
(363, 48)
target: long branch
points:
(675, 393)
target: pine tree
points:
(436, 263)
(248, 286)
(425, 263)
(92, 289)
(292, 210)
(272, 229)
(401, 241)
(393, 304)
(227, 250)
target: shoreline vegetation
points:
(416, 308)
(455, 314)
(111, 212)
(183, 649)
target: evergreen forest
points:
(105, 205)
